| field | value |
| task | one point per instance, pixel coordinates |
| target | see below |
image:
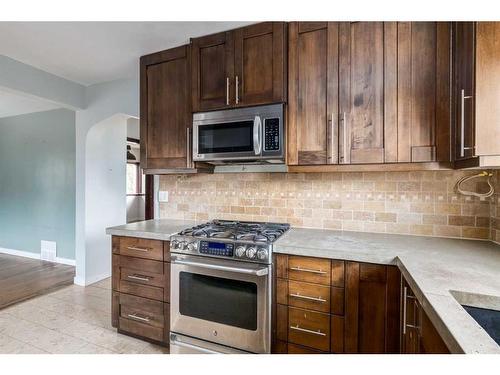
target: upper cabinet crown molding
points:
(242, 67)
(368, 92)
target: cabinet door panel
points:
(212, 67)
(313, 93)
(165, 110)
(260, 52)
(361, 46)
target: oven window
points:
(224, 301)
(230, 137)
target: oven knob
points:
(262, 254)
(174, 244)
(240, 251)
(251, 252)
(182, 245)
(192, 246)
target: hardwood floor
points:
(22, 278)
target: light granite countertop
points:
(160, 229)
(444, 273)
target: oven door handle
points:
(219, 267)
(257, 135)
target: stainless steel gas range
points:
(221, 287)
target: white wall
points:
(104, 101)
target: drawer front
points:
(138, 247)
(142, 317)
(297, 349)
(309, 296)
(311, 270)
(309, 328)
(142, 277)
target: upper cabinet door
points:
(213, 72)
(423, 92)
(165, 109)
(361, 94)
(464, 47)
(260, 64)
(313, 93)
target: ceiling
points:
(93, 52)
(12, 104)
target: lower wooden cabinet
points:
(141, 288)
(418, 334)
(332, 306)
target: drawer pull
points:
(139, 318)
(139, 277)
(315, 299)
(143, 249)
(308, 270)
(318, 332)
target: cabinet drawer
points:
(138, 247)
(311, 270)
(309, 328)
(142, 277)
(297, 349)
(143, 317)
(309, 296)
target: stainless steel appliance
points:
(221, 285)
(242, 135)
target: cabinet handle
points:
(332, 140)
(344, 138)
(139, 318)
(237, 89)
(227, 90)
(143, 249)
(405, 293)
(308, 270)
(318, 332)
(139, 277)
(315, 299)
(462, 123)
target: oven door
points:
(222, 301)
(236, 139)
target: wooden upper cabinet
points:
(242, 67)
(212, 71)
(476, 91)
(260, 64)
(313, 93)
(464, 60)
(361, 92)
(369, 92)
(165, 108)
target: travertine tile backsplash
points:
(422, 203)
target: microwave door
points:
(257, 135)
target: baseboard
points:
(28, 254)
(82, 281)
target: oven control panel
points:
(216, 248)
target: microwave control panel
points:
(271, 134)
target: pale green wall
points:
(37, 181)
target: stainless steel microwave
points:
(243, 135)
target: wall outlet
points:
(163, 196)
(48, 250)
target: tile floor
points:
(71, 320)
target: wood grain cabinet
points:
(476, 88)
(165, 106)
(368, 92)
(418, 334)
(141, 288)
(241, 67)
(333, 306)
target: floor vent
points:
(48, 250)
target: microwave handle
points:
(257, 135)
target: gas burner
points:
(238, 230)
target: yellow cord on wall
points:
(473, 193)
